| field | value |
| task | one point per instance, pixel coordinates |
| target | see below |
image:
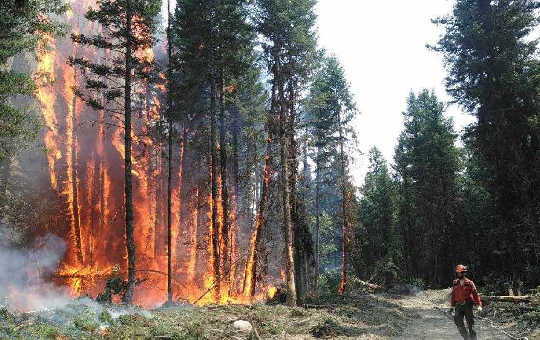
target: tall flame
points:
(85, 153)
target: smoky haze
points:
(23, 274)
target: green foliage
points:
(329, 281)
(105, 317)
(494, 73)
(427, 164)
(379, 244)
(104, 77)
(289, 29)
(24, 26)
(329, 110)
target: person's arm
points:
(475, 296)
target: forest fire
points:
(85, 153)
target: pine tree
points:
(214, 42)
(24, 26)
(289, 48)
(380, 252)
(493, 72)
(330, 110)
(128, 27)
(426, 165)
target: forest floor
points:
(354, 316)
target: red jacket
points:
(465, 292)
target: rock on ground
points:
(242, 325)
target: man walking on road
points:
(464, 296)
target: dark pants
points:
(465, 311)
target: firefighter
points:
(464, 297)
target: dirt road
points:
(432, 323)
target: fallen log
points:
(370, 285)
(514, 299)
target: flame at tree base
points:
(90, 281)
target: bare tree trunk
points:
(345, 215)
(169, 217)
(236, 162)
(286, 187)
(301, 249)
(248, 286)
(73, 175)
(169, 161)
(130, 240)
(235, 203)
(225, 246)
(317, 218)
(214, 189)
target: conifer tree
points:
(380, 251)
(24, 26)
(426, 165)
(494, 73)
(330, 109)
(128, 27)
(289, 49)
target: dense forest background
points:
(259, 120)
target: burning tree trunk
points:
(224, 255)
(126, 32)
(130, 240)
(169, 160)
(169, 216)
(214, 230)
(75, 198)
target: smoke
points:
(24, 273)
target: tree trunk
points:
(317, 218)
(169, 217)
(225, 246)
(169, 161)
(130, 241)
(237, 130)
(248, 286)
(75, 202)
(345, 216)
(214, 188)
(300, 245)
(286, 187)
(235, 202)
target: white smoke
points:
(24, 275)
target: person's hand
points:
(479, 308)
